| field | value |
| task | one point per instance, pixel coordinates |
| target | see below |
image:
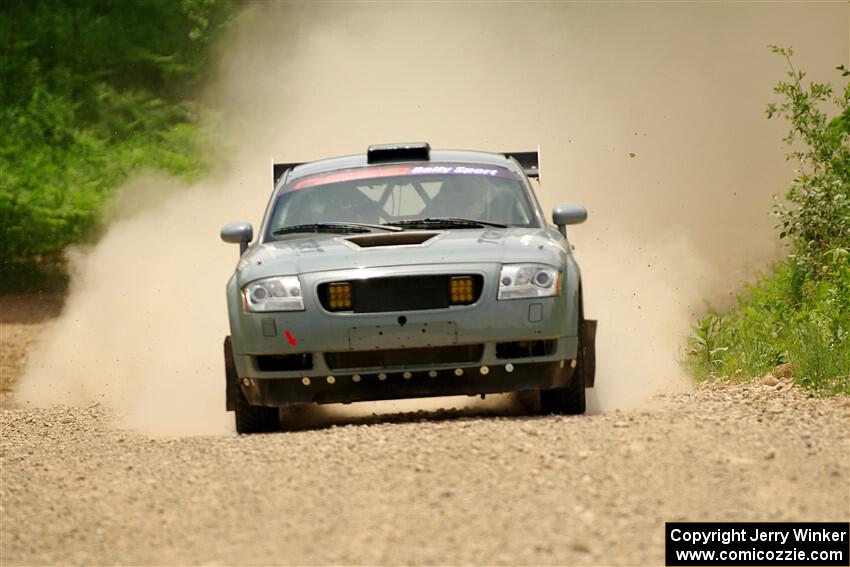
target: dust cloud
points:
(651, 115)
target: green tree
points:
(91, 90)
(815, 215)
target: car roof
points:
(436, 156)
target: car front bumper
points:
(486, 326)
(416, 384)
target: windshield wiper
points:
(437, 222)
(343, 227)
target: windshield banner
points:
(395, 171)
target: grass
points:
(782, 318)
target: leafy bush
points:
(91, 91)
(800, 312)
(815, 215)
(58, 174)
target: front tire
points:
(249, 419)
(566, 400)
(569, 399)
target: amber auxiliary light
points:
(339, 296)
(461, 290)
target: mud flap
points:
(232, 379)
(588, 341)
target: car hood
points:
(306, 253)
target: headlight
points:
(274, 294)
(518, 281)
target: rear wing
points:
(528, 161)
(278, 169)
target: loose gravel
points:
(436, 488)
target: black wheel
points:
(249, 419)
(569, 399)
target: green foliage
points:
(815, 215)
(160, 46)
(800, 312)
(91, 91)
(782, 318)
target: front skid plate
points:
(292, 391)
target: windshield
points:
(396, 193)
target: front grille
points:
(401, 293)
(403, 357)
(526, 349)
(284, 362)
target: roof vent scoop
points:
(388, 153)
(406, 238)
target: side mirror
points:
(241, 233)
(568, 213)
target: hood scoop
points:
(406, 238)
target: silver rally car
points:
(405, 272)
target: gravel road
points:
(435, 488)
